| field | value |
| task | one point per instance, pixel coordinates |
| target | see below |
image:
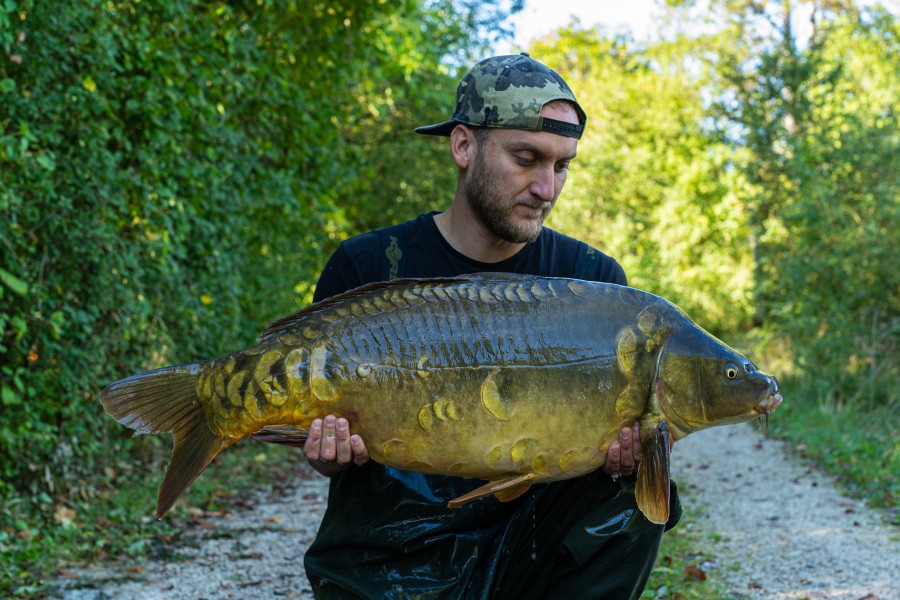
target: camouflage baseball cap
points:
(509, 91)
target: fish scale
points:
(513, 379)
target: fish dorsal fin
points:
(651, 489)
(504, 489)
(497, 275)
(287, 322)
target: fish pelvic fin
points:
(286, 435)
(512, 493)
(651, 489)
(166, 401)
(504, 490)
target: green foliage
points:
(172, 177)
(143, 190)
(752, 179)
(822, 135)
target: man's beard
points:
(485, 200)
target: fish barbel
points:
(513, 379)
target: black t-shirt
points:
(423, 252)
(388, 531)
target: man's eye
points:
(560, 167)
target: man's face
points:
(517, 175)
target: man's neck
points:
(468, 236)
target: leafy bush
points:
(173, 175)
(824, 177)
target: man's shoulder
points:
(579, 259)
(381, 254)
(370, 241)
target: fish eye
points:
(731, 371)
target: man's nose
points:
(544, 184)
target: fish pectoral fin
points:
(504, 489)
(651, 489)
(286, 435)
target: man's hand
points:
(625, 453)
(330, 448)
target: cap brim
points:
(440, 129)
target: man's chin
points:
(528, 222)
(521, 233)
(517, 225)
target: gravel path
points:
(784, 532)
(252, 553)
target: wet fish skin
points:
(514, 379)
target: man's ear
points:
(463, 145)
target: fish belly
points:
(555, 422)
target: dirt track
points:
(784, 532)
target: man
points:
(388, 533)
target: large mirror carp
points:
(513, 379)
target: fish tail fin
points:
(195, 447)
(166, 401)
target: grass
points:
(685, 568)
(41, 538)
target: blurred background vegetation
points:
(174, 174)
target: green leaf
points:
(9, 396)
(56, 321)
(8, 145)
(46, 162)
(19, 326)
(15, 284)
(7, 85)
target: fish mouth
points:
(768, 406)
(772, 400)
